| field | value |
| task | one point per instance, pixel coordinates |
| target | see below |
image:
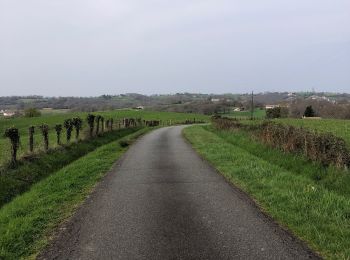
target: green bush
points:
(123, 143)
(276, 112)
(32, 112)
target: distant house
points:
(7, 113)
(318, 98)
(140, 107)
(215, 100)
(271, 106)
(238, 109)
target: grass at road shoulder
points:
(318, 215)
(28, 220)
(16, 181)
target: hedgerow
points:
(325, 148)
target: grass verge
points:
(315, 212)
(15, 181)
(28, 220)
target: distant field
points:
(258, 113)
(53, 117)
(337, 127)
(53, 111)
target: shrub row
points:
(325, 148)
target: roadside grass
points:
(27, 222)
(316, 212)
(16, 181)
(22, 123)
(331, 178)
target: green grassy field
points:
(58, 117)
(337, 127)
(27, 222)
(258, 113)
(312, 202)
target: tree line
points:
(97, 125)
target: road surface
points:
(162, 201)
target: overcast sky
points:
(88, 48)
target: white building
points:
(8, 113)
(271, 106)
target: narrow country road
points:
(162, 201)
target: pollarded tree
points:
(111, 124)
(78, 124)
(91, 121)
(98, 119)
(58, 129)
(31, 131)
(13, 134)
(45, 132)
(107, 124)
(102, 124)
(68, 124)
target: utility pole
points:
(252, 107)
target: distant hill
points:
(179, 102)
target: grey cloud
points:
(95, 47)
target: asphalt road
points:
(162, 201)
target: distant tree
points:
(32, 112)
(309, 112)
(13, 134)
(45, 133)
(68, 124)
(58, 129)
(91, 121)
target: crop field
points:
(57, 117)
